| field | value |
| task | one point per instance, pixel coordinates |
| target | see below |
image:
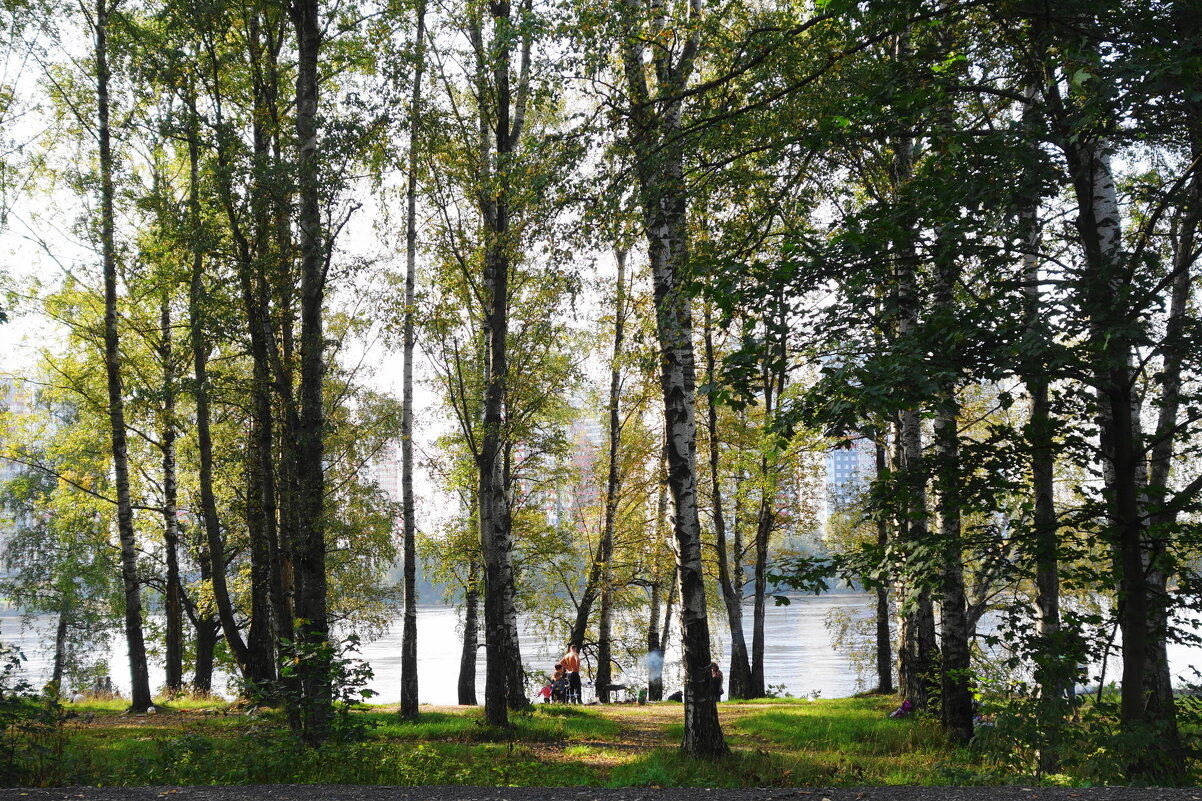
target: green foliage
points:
(1094, 747)
(57, 556)
(336, 675)
(32, 736)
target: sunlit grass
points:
(847, 742)
(544, 723)
(782, 742)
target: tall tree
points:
(501, 119)
(658, 149)
(409, 532)
(309, 549)
(613, 486)
(135, 641)
(174, 603)
(739, 675)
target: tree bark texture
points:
(139, 674)
(613, 488)
(309, 550)
(409, 531)
(659, 164)
(60, 642)
(270, 619)
(471, 628)
(918, 647)
(214, 545)
(657, 635)
(955, 666)
(1057, 663)
(739, 675)
(205, 627)
(766, 516)
(504, 682)
(884, 642)
(1120, 428)
(173, 652)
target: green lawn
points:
(777, 743)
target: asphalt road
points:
(328, 792)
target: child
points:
(559, 685)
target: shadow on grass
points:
(538, 725)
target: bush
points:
(31, 727)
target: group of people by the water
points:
(565, 686)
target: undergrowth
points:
(843, 742)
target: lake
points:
(798, 657)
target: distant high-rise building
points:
(17, 398)
(849, 468)
(384, 469)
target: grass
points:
(778, 743)
(849, 742)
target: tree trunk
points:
(1053, 671)
(173, 656)
(659, 164)
(664, 203)
(1162, 517)
(955, 667)
(739, 675)
(200, 357)
(587, 598)
(917, 648)
(916, 654)
(409, 531)
(766, 518)
(613, 487)
(665, 635)
(884, 645)
(655, 657)
(268, 611)
(503, 683)
(657, 637)
(205, 627)
(271, 606)
(765, 522)
(471, 628)
(139, 674)
(1121, 435)
(60, 642)
(206, 643)
(270, 617)
(309, 550)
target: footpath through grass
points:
(776, 743)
